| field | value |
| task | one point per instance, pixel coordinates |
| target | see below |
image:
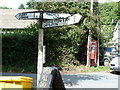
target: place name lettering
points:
(51, 23)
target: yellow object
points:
(20, 82)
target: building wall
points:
(9, 21)
(116, 34)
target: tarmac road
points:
(91, 80)
(84, 80)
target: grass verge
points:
(83, 69)
(26, 69)
(65, 69)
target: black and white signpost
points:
(37, 14)
(61, 22)
(47, 20)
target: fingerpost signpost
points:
(47, 20)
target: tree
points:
(108, 19)
(108, 13)
(82, 27)
(21, 6)
(101, 16)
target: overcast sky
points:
(12, 3)
(16, 3)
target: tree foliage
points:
(108, 12)
(21, 6)
(108, 19)
(72, 38)
(2, 7)
(20, 49)
(64, 45)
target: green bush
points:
(62, 45)
(20, 47)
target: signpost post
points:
(40, 50)
(46, 20)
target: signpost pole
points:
(40, 52)
(89, 38)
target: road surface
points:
(91, 80)
(85, 80)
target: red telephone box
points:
(93, 52)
